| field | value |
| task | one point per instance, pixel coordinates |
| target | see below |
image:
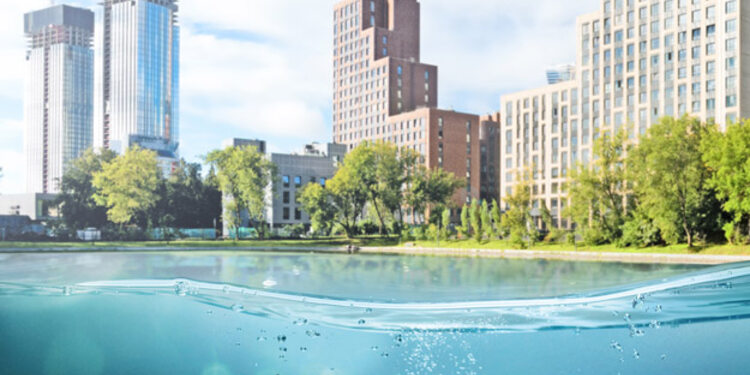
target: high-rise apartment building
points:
(59, 96)
(637, 61)
(140, 76)
(382, 92)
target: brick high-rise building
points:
(382, 92)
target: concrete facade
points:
(637, 61)
(37, 207)
(316, 163)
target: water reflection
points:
(383, 278)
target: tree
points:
(317, 202)
(127, 185)
(465, 222)
(192, 201)
(446, 222)
(243, 174)
(78, 208)
(348, 198)
(517, 220)
(496, 217)
(487, 227)
(431, 188)
(671, 181)
(597, 202)
(727, 155)
(475, 215)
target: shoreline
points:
(583, 256)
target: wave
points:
(718, 293)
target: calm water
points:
(200, 313)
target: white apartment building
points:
(637, 61)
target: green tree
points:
(465, 222)
(431, 188)
(348, 198)
(78, 208)
(317, 202)
(446, 222)
(671, 181)
(243, 174)
(487, 226)
(517, 220)
(127, 185)
(496, 218)
(597, 203)
(476, 220)
(728, 157)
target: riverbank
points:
(718, 254)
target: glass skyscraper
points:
(58, 107)
(140, 76)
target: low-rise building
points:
(316, 163)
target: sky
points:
(263, 68)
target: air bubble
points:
(313, 333)
(636, 355)
(238, 308)
(225, 289)
(303, 349)
(616, 346)
(663, 357)
(361, 322)
(281, 338)
(300, 322)
(67, 290)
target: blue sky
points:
(262, 68)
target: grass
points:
(713, 249)
(187, 244)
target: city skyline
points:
(219, 46)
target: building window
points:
(297, 214)
(285, 180)
(323, 181)
(286, 197)
(285, 214)
(297, 181)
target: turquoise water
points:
(202, 313)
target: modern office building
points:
(58, 105)
(316, 163)
(140, 76)
(561, 73)
(382, 92)
(637, 61)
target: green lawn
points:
(722, 249)
(186, 244)
(715, 249)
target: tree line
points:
(684, 181)
(127, 195)
(377, 186)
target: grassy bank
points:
(187, 244)
(716, 249)
(711, 249)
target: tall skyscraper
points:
(637, 61)
(140, 76)
(59, 96)
(382, 92)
